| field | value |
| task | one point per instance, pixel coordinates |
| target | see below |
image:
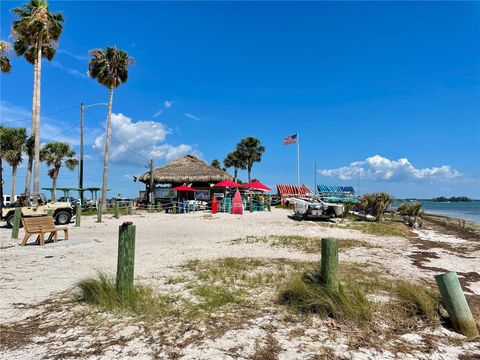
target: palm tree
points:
(251, 150)
(216, 164)
(5, 146)
(13, 156)
(109, 67)
(5, 66)
(36, 31)
(57, 154)
(235, 160)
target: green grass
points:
(141, 301)
(348, 303)
(382, 228)
(406, 303)
(305, 244)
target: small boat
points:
(305, 208)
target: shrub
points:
(411, 209)
(375, 203)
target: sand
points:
(32, 274)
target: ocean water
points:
(461, 210)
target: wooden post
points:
(117, 211)
(329, 263)
(269, 204)
(78, 215)
(251, 204)
(175, 207)
(126, 257)
(99, 213)
(130, 208)
(456, 304)
(16, 222)
(50, 212)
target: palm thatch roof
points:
(188, 169)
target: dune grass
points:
(310, 245)
(381, 228)
(141, 301)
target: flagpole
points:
(298, 158)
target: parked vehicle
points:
(7, 201)
(62, 212)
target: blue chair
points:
(227, 205)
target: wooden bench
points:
(41, 225)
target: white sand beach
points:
(33, 275)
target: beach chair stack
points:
(287, 190)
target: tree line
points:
(55, 154)
(247, 152)
(36, 32)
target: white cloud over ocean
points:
(379, 168)
(146, 138)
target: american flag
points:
(292, 139)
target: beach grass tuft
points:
(348, 303)
(142, 300)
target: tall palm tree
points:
(234, 159)
(57, 154)
(13, 155)
(4, 147)
(109, 67)
(36, 31)
(251, 150)
(5, 66)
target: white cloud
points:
(73, 56)
(193, 117)
(50, 129)
(143, 140)
(383, 169)
(158, 113)
(167, 104)
(71, 71)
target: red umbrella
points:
(184, 188)
(257, 185)
(227, 183)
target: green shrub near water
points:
(411, 209)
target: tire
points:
(9, 220)
(62, 217)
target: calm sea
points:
(462, 210)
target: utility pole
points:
(80, 177)
(152, 186)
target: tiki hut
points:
(186, 170)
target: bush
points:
(411, 209)
(375, 204)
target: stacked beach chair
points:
(337, 194)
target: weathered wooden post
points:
(269, 204)
(126, 257)
(457, 307)
(117, 211)
(16, 222)
(251, 204)
(329, 263)
(99, 213)
(130, 208)
(78, 215)
(175, 207)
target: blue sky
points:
(366, 85)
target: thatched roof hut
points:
(188, 169)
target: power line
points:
(52, 113)
(118, 141)
(63, 132)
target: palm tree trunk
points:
(235, 173)
(54, 184)
(249, 171)
(28, 176)
(107, 148)
(14, 180)
(36, 163)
